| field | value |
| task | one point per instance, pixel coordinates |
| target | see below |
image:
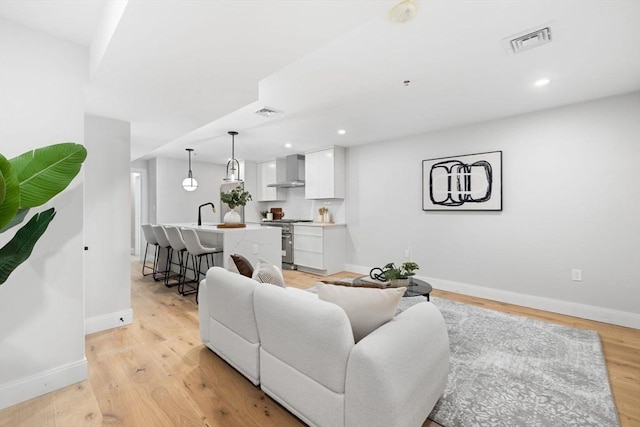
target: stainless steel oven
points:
(288, 261)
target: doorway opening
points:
(136, 197)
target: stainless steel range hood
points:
(290, 172)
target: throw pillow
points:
(268, 273)
(243, 265)
(366, 308)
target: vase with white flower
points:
(234, 198)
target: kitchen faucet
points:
(213, 208)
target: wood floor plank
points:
(77, 406)
(157, 372)
(34, 412)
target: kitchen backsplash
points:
(297, 207)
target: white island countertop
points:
(323, 224)
(214, 227)
(254, 242)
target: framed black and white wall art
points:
(472, 182)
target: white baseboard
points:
(599, 314)
(24, 389)
(108, 321)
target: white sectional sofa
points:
(301, 352)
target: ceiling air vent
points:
(268, 112)
(528, 39)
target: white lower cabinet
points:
(319, 249)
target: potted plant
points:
(29, 181)
(400, 276)
(236, 197)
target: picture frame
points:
(470, 182)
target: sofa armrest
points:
(397, 373)
(203, 311)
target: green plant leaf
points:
(236, 197)
(9, 192)
(46, 171)
(3, 185)
(17, 219)
(20, 247)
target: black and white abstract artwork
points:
(471, 182)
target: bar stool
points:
(151, 240)
(196, 251)
(178, 246)
(163, 242)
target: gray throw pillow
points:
(268, 273)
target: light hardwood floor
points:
(156, 372)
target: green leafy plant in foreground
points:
(28, 181)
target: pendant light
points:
(189, 183)
(233, 166)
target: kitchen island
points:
(253, 242)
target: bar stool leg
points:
(167, 267)
(181, 269)
(154, 268)
(144, 260)
(184, 277)
(156, 260)
(192, 258)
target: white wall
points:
(249, 173)
(571, 180)
(41, 304)
(107, 224)
(175, 205)
(297, 207)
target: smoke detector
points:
(268, 112)
(528, 39)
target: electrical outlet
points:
(255, 249)
(576, 275)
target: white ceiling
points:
(186, 72)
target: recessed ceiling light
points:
(404, 11)
(542, 82)
(287, 145)
(342, 131)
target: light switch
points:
(576, 275)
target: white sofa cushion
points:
(231, 299)
(295, 324)
(310, 401)
(367, 308)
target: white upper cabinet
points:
(268, 174)
(324, 174)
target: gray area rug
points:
(513, 371)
